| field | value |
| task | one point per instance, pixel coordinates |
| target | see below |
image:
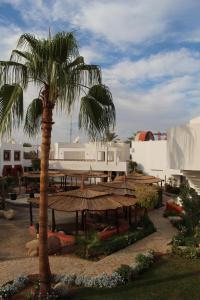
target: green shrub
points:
(35, 164)
(171, 213)
(172, 189)
(115, 243)
(190, 252)
(92, 247)
(143, 262)
(125, 272)
(179, 240)
(147, 195)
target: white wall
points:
(96, 156)
(14, 147)
(151, 157)
(184, 147)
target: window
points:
(17, 155)
(6, 155)
(110, 156)
(101, 155)
(30, 155)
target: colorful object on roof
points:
(144, 136)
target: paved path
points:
(157, 241)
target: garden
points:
(184, 214)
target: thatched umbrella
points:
(124, 191)
(36, 175)
(85, 200)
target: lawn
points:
(173, 278)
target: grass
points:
(173, 278)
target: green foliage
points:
(93, 248)
(132, 165)
(147, 195)
(190, 252)
(172, 189)
(110, 136)
(35, 164)
(53, 65)
(10, 182)
(191, 204)
(179, 240)
(125, 272)
(171, 213)
(27, 145)
(143, 262)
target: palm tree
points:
(110, 136)
(55, 67)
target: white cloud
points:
(9, 36)
(154, 67)
(126, 21)
(91, 55)
(172, 96)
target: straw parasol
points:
(84, 200)
(139, 178)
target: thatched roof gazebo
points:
(84, 200)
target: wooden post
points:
(130, 215)
(106, 214)
(82, 219)
(117, 223)
(135, 211)
(85, 223)
(53, 220)
(65, 182)
(126, 213)
(76, 222)
(31, 213)
(3, 193)
(26, 184)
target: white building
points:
(152, 158)
(184, 150)
(90, 156)
(14, 157)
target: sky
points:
(148, 50)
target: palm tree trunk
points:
(44, 268)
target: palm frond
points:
(13, 73)
(11, 107)
(97, 111)
(33, 117)
(64, 47)
(27, 41)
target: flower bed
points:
(8, 290)
(118, 277)
(121, 276)
(171, 206)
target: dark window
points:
(16, 155)
(7, 155)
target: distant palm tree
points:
(54, 66)
(110, 136)
(130, 139)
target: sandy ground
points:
(14, 234)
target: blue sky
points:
(149, 52)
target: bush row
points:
(120, 276)
(10, 289)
